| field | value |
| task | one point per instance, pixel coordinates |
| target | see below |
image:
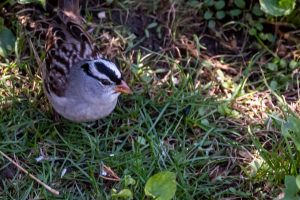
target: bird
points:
(80, 84)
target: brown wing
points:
(66, 44)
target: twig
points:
(53, 191)
(110, 172)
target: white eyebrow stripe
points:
(96, 73)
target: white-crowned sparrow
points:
(79, 83)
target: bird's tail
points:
(69, 9)
(71, 6)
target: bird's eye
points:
(105, 82)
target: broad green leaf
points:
(123, 194)
(141, 140)
(283, 63)
(272, 66)
(208, 15)
(204, 122)
(270, 37)
(161, 186)
(220, 14)
(286, 3)
(298, 181)
(277, 7)
(259, 26)
(235, 12)
(209, 2)
(293, 64)
(7, 42)
(256, 10)
(291, 188)
(291, 129)
(211, 24)
(274, 85)
(240, 3)
(219, 5)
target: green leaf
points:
(273, 84)
(291, 188)
(123, 194)
(262, 36)
(298, 181)
(272, 66)
(209, 2)
(240, 3)
(219, 5)
(129, 180)
(291, 130)
(293, 64)
(259, 26)
(225, 110)
(7, 42)
(270, 37)
(208, 15)
(204, 122)
(277, 7)
(235, 12)
(211, 24)
(283, 63)
(252, 31)
(256, 10)
(220, 14)
(141, 140)
(161, 186)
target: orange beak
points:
(123, 88)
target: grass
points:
(201, 108)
